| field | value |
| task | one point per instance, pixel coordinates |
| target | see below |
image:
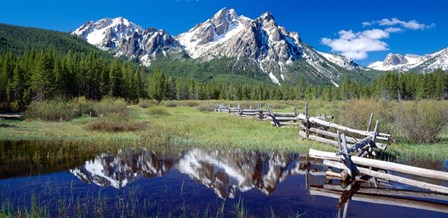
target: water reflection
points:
(118, 170)
(226, 172)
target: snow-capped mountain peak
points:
(260, 44)
(107, 33)
(411, 62)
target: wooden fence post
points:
(307, 122)
(370, 122)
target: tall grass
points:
(54, 110)
(60, 110)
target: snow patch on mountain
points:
(410, 62)
(107, 33)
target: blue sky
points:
(365, 31)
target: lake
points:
(68, 180)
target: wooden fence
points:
(352, 163)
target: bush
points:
(110, 106)
(110, 126)
(55, 110)
(191, 103)
(421, 122)
(170, 104)
(356, 113)
(205, 108)
(158, 111)
(147, 103)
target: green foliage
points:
(158, 111)
(421, 122)
(158, 86)
(21, 40)
(54, 110)
(117, 126)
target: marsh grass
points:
(59, 110)
(183, 126)
(110, 126)
(55, 110)
(158, 111)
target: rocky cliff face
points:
(124, 38)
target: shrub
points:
(110, 126)
(14, 106)
(158, 111)
(421, 122)
(356, 114)
(191, 103)
(55, 110)
(111, 106)
(147, 103)
(205, 108)
(170, 104)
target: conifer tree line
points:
(45, 74)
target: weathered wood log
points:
(284, 123)
(319, 139)
(402, 180)
(349, 139)
(330, 173)
(285, 118)
(385, 200)
(11, 116)
(307, 122)
(278, 114)
(370, 122)
(416, 171)
(342, 128)
(392, 192)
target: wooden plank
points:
(402, 180)
(385, 200)
(416, 171)
(370, 122)
(319, 139)
(349, 139)
(342, 128)
(307, 122)
(11, 116)
(392, 192)
(277, 114)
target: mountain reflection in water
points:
(226, 172)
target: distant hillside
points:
(18, 40)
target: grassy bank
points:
(190, 123)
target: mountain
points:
(245, 42)
(261, 42)
(106, 33)
(18, 40)
(122, 37)
(415, 63)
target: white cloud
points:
(393, 30)
(412, 24)
(366, 23)
(356, 45)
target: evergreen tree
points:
(157, 86)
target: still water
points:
(57, 180)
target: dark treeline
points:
(46, 74)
